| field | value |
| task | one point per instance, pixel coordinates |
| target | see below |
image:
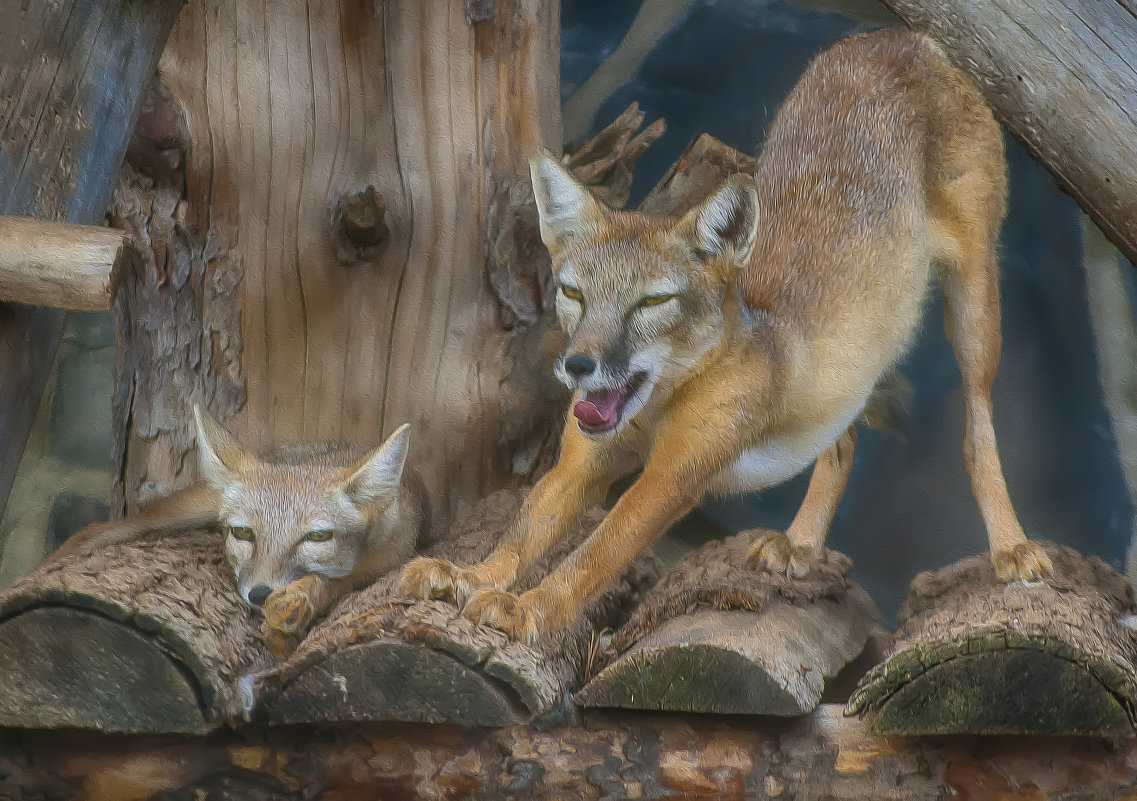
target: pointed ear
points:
(219, 457)
(726, 223)
(564, 206)
(374, 481)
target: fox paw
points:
(288, 612)
(505, 612)
(429, 579)
(1026, 561)
(774, 553)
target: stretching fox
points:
(727, 350)
(304, 524)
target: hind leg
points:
(972, 211)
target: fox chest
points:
(780, 458)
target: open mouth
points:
(600, 411)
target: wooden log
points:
(769, 642)
(59, 265)
(149, 636)
(382, 658)
(1060, 76)
(824, 756)
(973, 657)
(71, 77)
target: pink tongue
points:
(598, 408)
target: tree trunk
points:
(319, 266)
(1061, 76)
(71, 78)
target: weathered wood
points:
(704, 165)
(149, 636)
(59, 265)
(71, 77)
(254, 299)
(824, 756)
(382, 658)
(973, 657)
(683, 651)
(1061, 75)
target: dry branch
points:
(59, 265)
(1061, 75)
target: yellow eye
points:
(572, 293)
(655, 300)
(242, 533)
(322, 535)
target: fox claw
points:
(429, 579)
(1026, 561)
(288, 614)
(774, 553)
(503, 611)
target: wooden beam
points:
(823, 756)
(71, 77)
(60, 265)
(1061, 75)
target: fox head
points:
(299, 510)
(640, 299)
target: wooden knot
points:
(362, 217)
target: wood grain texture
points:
(970, 656)
(59, 265)
(1061, 75)
(825, 756)
(290, 108)
(148, 636)
(71, 78)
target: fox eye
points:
(572, 293)
(320, 535)
(655, 300)
(242, 533)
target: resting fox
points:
(726, 350)
(303, 524)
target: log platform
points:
(973, 657)
(383, 658)
(716, 636)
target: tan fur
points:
(373, 506)
(796, 294)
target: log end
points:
(72, 668)
(391, 680)
(971, 656)
(1010, 691)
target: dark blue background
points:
(724, 69)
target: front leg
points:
(290, 610)
(692, 446)
(555, 502)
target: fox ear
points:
(564, 206)
(219, 456)
(726, 223)
(375, 480)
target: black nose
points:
(579, 365)
(259, 594)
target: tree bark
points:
(71, 78)
(1062, 77)
(319, 265)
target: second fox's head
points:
(306, 509)
(640, 299)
